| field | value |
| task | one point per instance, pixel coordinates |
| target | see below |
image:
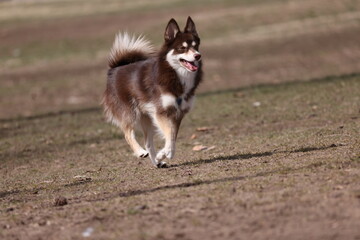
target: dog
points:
(153, 90)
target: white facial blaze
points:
(189, 55)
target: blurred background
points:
(53, 53)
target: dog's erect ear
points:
(190, 27)
(171, 30)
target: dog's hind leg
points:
(129, 133)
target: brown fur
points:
(139, 79)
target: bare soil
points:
(278, 113)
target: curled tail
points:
(129, 49)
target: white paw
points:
(160, 155)
(165, 152)
(142, 153)
(170, 154)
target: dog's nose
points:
(197, 57)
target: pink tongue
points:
(190, 66)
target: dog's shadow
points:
(236, 178)
(250, 155)
(222, 158)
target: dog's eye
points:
(182, 48)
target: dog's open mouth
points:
(189, 65)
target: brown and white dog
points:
(153, 90)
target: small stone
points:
(256, 104)
(47, 181)
(6, 226)
(60, 201)
(10, 209)
(141, 207)
(42, 223)
(88, 231)
(80, 178)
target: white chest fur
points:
(168, 100)
(187, 79)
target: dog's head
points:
(182, 47)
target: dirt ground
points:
(278, 116)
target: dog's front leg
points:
(149, 132)
(169, 128)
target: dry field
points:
(278, 112)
